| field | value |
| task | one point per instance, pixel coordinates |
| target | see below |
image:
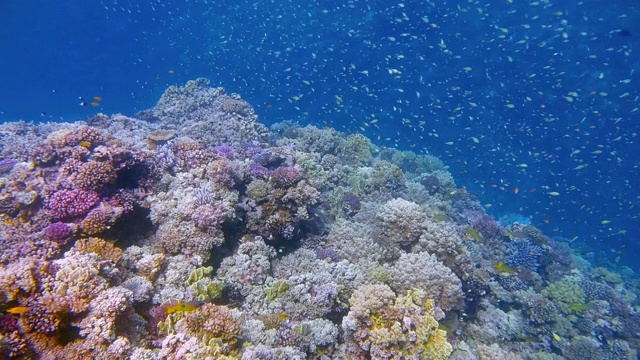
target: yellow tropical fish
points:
(473, 234)
(17, 310)
(504, 268)
(183, 306)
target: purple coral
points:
(6, 165)
(208, 217)
(59, 232)
(351, 204)
(258, 171)
(483, 223)
(65, 204)
(224, 151)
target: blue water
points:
(541, 97)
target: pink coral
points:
(85, 136)
(65, 204)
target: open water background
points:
(534, 105)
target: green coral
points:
(356, 149)
(379, 273)
(567, 295)
(203, 286)
(276, 289)
(386, 176)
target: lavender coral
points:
(424, 271)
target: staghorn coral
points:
(384, 326)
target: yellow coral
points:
(101, 247)
(406, 329)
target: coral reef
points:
(193, 232)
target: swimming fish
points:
(504, 268)
(183, 306)
(473, 234)
(17, 310)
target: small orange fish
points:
(85, 144)
(97, 98)
(546, 221)
(17, 310)
(95, 104)
(516, 191)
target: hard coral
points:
(217, 329)
(59, 232)
(66, 204)
(520, 252)
(425, 272)
(400, 221)
(385, 327)
(94, 175)
(285, 176)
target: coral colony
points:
(194, 232)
